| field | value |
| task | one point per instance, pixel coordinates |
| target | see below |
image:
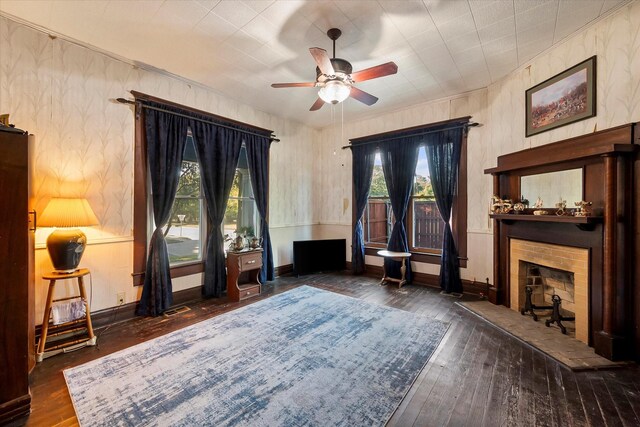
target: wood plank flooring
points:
(478, 376)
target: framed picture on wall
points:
(565, 98)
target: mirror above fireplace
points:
(552, 187)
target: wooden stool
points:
(396, 256)
(62, 329)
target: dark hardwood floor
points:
(478, 376)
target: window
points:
(424, 224)
(378, 215)
(185, 231)
(241, 216)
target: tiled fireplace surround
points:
(567, 258)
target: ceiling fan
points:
(335, 78)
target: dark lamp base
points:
(66, 247)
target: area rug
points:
(306, 357)
(570, 352)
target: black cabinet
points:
(313, 256)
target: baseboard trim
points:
(112, 315)
(283, 269)
(433, 281)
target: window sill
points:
(186, 269)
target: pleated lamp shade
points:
(61, 212)
(67, 243)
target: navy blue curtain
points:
(258, 159)
(443, 154)
(166, 135)
(399, 159)
(218, 151)
(362, 171)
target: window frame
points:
(458, 214)
(141, 189)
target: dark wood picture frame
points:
(562, 110)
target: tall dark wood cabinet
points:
(17, 225)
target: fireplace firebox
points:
(550, 270)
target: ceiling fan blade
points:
(362, 96)
(375, 72)
(317, 105)
(305, 84)
(322, 59)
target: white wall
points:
(62, 93)
(501, 110)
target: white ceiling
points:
(238, 48)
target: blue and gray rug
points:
(306, 357)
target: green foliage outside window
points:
(187, 197)
(378, 185)
(422, 185)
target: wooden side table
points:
(67, 328)
(239, 262)
(396, 256)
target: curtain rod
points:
(126, 101)
(466, 125)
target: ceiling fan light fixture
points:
(334, 91)
(335, 77)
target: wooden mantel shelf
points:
(548, 218)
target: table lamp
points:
(66, 243)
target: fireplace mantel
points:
(610, 163)
(583, 222)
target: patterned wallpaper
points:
(63, 93)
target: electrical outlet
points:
(121, 297)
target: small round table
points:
(47, 330)
(396, 256)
